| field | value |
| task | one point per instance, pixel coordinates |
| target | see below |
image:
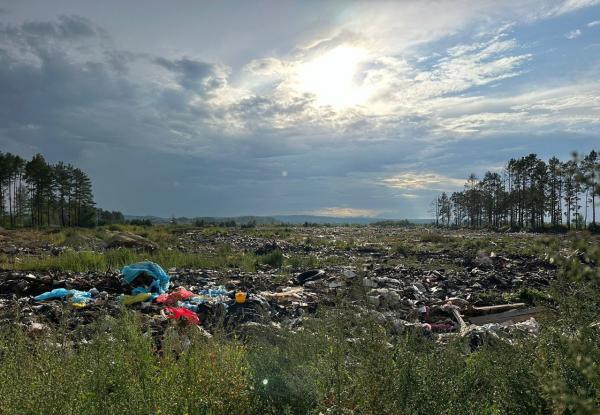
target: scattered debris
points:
(311, 275)
(433, 300)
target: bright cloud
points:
(568, 6)
(345, 212)
(431, 181)
(573, 34)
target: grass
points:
(120, 369)
(84, 261)
(87, 261)
(273, 259)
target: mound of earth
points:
(130, 240)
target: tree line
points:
(37, 193)
(529, 193)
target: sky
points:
(340, 108)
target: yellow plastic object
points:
(132, 299)
(78, 305)
(240, 297)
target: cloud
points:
(67, 27)
(345, 212)
(571, 107)
(594, 23)
(413, 180)
(265, 66)
(188, 104)
(569, 6)
(199, 77)
(573, 34)
(222, 131)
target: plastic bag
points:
(214, 293)
(172, 298)
(132, 299)
(217, 295)
(50, 295)
(176, 313)
(76, 296)
(160, 278)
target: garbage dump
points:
(428, 304)
(439, 302)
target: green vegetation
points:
(273, 259)
(41, 194)
(83, 261)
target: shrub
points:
(273, 259)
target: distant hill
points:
(357, 220)
(276, 219)
(240, 220)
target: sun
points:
(331, 77)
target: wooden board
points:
(512, 315)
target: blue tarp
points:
(161, 281)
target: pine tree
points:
(38, 175)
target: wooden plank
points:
(476, 311)
(512, 315)
(462, 325)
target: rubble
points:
(311, 275)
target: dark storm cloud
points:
(42, 87)
(194, 75)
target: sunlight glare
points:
(331, 77)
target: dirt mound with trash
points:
(405, 299)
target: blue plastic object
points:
(214, 293)
(49, 295)
(76, 295)
(161, 278)
(80, 296)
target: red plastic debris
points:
(176, 313)
(172, 298)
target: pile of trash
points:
(430, 302)
(149, 283)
